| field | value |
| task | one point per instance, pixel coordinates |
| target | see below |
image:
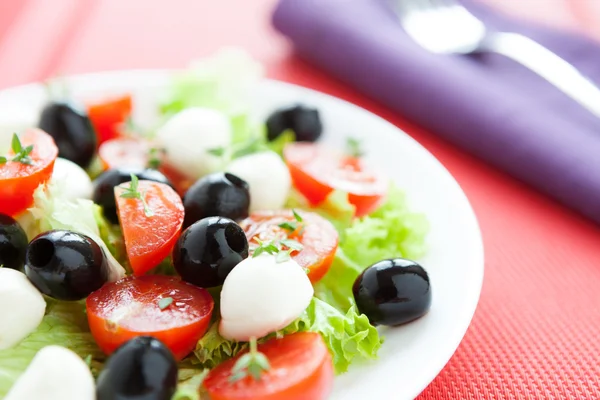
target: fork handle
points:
(548, 65)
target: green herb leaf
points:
(288, 225)
(154, 157)
(165, 302)
(251, 364)
(16, 144)
(217, 151)
(265, 247)
(354, 147)
(297, 216)
(21, 154)
(132, 192)
(292, 244)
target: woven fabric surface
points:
(536, 332)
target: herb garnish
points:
(292, 226)
(154, 157)
(21, 154)
(251, 364)
(132, 192)
(165, 302)
(354, 147)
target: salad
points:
(197, 253)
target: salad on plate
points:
(202, 253)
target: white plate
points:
(414, 354)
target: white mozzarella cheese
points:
(268, 177)
(261, 296)
(22, 307)
(55, 373)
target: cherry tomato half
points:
(124, 152)
(131, 307)
(109, 115)
(18, 181)
(130, 152)
(301, 369)
(318, 237)
(316, 171)
(150, 230)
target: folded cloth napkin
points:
(487, 104)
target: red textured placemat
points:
(535, 332)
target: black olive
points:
(72, 130)
(104, 187)
(393, 292)
(219, 194)
(13, 243)
(208, 250)
(65, 265)
(141, 369)
(303, 120)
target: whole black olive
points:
(13, 243)
(104, 187)
(208, 250)
(72, 130)
(303, 120)
(141, 369)
(393, 292)
(65, 265)
(219, 194)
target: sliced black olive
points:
(208, 250)
(304, 121)
(219, 194)
(393, 292)
(72, 130)
(65, 265)
(13, 243)
(104, 185)
(141, 369)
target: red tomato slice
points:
(149, 239)
(18, 181)
(301, 369)
(122, 310)
(317, 235)
(316, 171)
(109, 115)
(124, 152)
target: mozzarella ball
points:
(55, 373)
(73, 180)
(188, 136)
(268, 177)
(22, 307)
(261, 296)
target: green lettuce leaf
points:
(65, 324)
(336, 208)
(335, 288)
(51, 210)
(391, 231)
(213, 349)
(348, 336)
(226, 82)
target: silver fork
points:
(445, 26)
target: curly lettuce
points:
(393, 230)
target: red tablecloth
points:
(535, 333)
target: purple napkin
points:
(487, 104)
